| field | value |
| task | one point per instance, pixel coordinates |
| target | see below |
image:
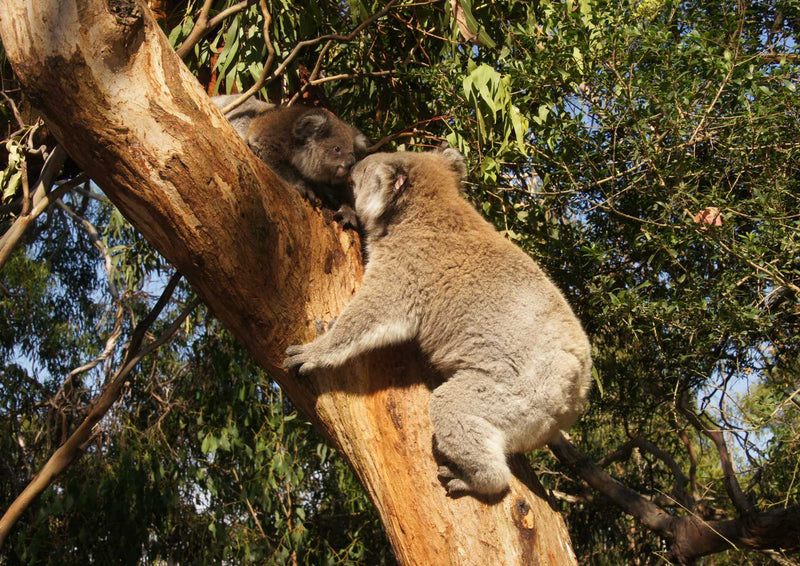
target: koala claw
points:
(295, 350)
(445, 473)
(298, 358)
(346, 216)
(308, 193)
(457, 487)
(452, 483)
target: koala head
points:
(328, 147)
(385, 183)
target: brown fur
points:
(309, 148)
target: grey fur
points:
(516, 361)
(309, 148)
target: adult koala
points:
(516, 361)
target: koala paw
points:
(308, 193)
(300, 358)
(452, 483)
(346, 216)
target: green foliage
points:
(600, 137)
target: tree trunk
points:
(126, 109)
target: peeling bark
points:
(126, 109)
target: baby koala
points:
(516, 360)
(309, 148)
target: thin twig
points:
(264, 79)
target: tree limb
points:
(67, 452)
(690, 536)
(633, 503)
(41, 199)
(740, 501)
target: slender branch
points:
(410, 130)
(204, 25)
(679, 485)
(60, 399)
(20, 122)
(740, 501)
(97, 242)
(41, 199)
(263, 80)
(67, 452)
(331, 78)
(314, 73)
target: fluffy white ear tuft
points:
(360, 143)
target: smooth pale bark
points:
(126, 109)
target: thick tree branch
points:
(266, 263)
(633, 503)
(690, 536)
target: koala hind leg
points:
(472, 447)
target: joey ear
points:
(455, 161)
(310, 125)
(360, 143)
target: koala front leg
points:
(367, 323)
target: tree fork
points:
(128, 111)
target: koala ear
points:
(397, 176)
(455, 161)
(400, 182)
(311, 125)
(393, 179)
(360, 143)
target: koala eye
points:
(337, 149)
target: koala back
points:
(479, 299)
